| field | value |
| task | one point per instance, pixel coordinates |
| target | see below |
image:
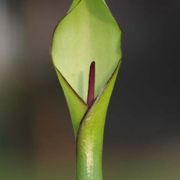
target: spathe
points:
(87, 33)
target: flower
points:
(86, 54)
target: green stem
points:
(90, 148)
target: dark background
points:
(142, 135)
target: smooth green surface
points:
(76, 106)
(87, 33)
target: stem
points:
(89, 148)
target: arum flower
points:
(86, 54)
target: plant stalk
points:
(90, 148)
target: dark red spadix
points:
(91, 86)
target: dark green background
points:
(142, 135)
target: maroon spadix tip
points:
(91, 86)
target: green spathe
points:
(87, 33)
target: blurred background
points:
(142, 135)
